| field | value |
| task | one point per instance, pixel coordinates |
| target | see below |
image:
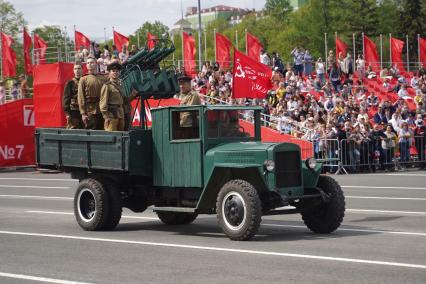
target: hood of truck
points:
(239, 154)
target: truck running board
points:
(175, 209)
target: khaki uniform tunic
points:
(111, 106)
(70, 104)
(192, 98)
(89, 91)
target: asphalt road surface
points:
(382, 240)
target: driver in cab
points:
(188, 97)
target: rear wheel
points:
(176, 218)
(91, 204)
(327, 216)
(239, 210)
(97, 207)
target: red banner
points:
(223, 51)
(28, 66)
(152, 40)
(397, 47)
(81, 40)
(341, 47)
(8, 56)
(252, 79)
(254, 46)
(422, 47)
(17, 125)
(189, 54)
(154, 104)
(40, 47)
(120, 40)
(370, 54)
(49, 83)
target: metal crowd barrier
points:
(368, 155)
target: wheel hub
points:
(234, 211)
(86, 205)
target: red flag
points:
(370, 54)
(254, 46)
(81, 40)
(152, 40)
(341, 47)
(252, 79)
(396, 50)
(120, 40)
(223, 50)
(40, 47)
(422, 47)
(8, 56)
(189, 54)
(28, 66)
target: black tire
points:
(176, 218)
(115, 207)
(325, 217)
(91, 205)
(239, 210)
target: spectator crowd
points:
(339, 104)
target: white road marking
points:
(33, 186)
(263, 224)
(385, 211)
(71, 213)
(41, 179)
(220, 249)
(354, 230)
(409, 175)
(39, 279)
(385, 197)
(12, 196)
(380, 187)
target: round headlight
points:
(269, 165)
(311, 163)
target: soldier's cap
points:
(184, 78)
(114, 65)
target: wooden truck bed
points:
(68, 149)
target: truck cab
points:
(194, 160)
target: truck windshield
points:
(226, 124)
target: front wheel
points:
(327, 216)
(239, 210)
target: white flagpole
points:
(418, 49)
(236, 39)
(381, 51)
(246, 42)
(325, 45)
(390, 49)
(205, 45)
(408, 53)
(65, 47)
(214, 39)
(353, 45)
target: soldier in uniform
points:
(111, 100)
(70, 100)
(188, 97)
(89, 91)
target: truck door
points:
(177, 148)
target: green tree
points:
(55, 39)
(12, 23)
(157, 28)
(412, 22)
(279, 9)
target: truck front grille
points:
(288, 169)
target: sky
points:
(92, 16)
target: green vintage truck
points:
(209, 166)
(214, 166)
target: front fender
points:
(222, 174)
(310, 177)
